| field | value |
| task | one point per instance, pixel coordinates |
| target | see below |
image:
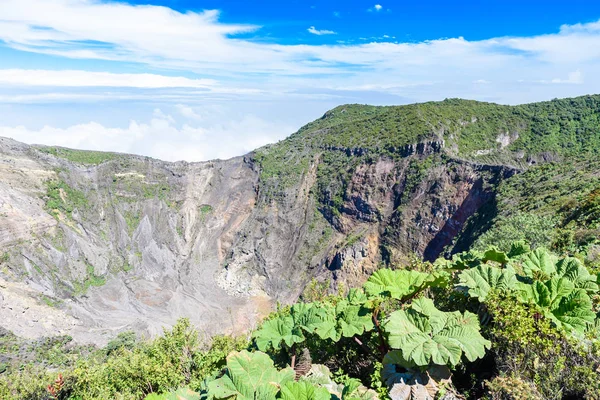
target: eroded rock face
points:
(142, 252)
(139, 243)
(389, 215)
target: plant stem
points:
(293, 350)
(362, 345)
(383, 347)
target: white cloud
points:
(159, 114)
(378, 7)
(188, 112)
(575, 78)
(316, 31)
(161, 37)
(581, 28)
(71, 78)
(160, 137)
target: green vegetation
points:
(90, 280)
(533, 228)
(553, 205)
(84, 157)
(125, 368)
(51, 302)
(51, 353)
(132, 219)
(159, 191)
(350, 135)
(205, 209)
(63, 199)
(57, 239)
(417, 170)
(315, 291)
(493, 324)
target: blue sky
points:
(195, 80)
(407, 20)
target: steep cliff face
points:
(95, 243)
(389, 213)
(132, 242)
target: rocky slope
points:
(96, 243)
(135, 243)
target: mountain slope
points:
(120, 241)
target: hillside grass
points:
(83, 157)
(62, 198)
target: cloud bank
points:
(166, 137)
(191, 58)
(160, 36)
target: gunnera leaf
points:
(478, 281)
(278, 330)
(397, 284)
(567, 306)
(539, 264)
(303, 391)
(427, 336)
(493, 254)
(573, 270)
(250, 376)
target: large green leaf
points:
(561, 288)
(353, 320)
(545, 294)
(354, 390)
(308, 316)
(250, 376)
(539, 264)
(303, 391)
(542, 265)
(357, 296)
(397, 284)
(480, 280)
(276, 331)
(470, 259)
(320, 376)
(574, 312)
(567, 306)
(573, 270)
(342, 320)
(518, 249)
(426, 335)
(328, 327)
(493, 254)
